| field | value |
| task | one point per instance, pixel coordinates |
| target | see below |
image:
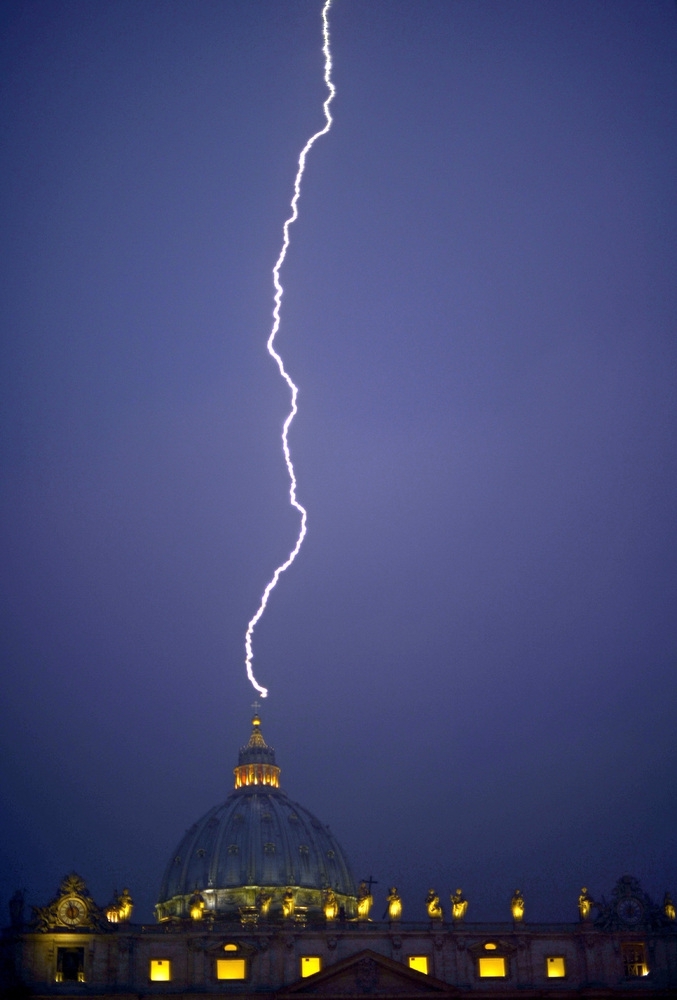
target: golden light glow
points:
(160, 970)
(555, 967)
(432, 904)
(120, 909)
(196, 906)
(257, 774)
(419, 963)
(230, 947)
(394, 904)
(490, 946)
(231, 968)
(126, 905)
(585, 904)
(330, 904)
(517, 906)
(492, 968)
(459, 905)
(310, 964)
(364, 901)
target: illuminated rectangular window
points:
(231, 968)
(310, 964)
(492, 967)
(555, 967)
(419, 963)
(634, 959)
(160, 970)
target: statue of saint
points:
(263, 901)
(585, 904)
(288, 905)
(196, 905)
(394, 904)
(459, 905)
(120, 910)
(330, 904)
(125, 905)
(364, 901)
(432, 903)
(668, 906)
(517, 905)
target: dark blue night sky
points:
(472, 663)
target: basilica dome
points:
(256, 852)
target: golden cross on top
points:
(256, 706)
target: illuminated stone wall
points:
(190, 957)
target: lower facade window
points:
(634, 960)
(419, 963)
(160, 970)
(70, 965)
(231, 968)
(491, 967)
(555, 967)
(310, 964)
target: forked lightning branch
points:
(280, 364)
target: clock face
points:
(71, 911)
(630, 910)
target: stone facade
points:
(343, 959)
(258, 898)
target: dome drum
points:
(234, 904)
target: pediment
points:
(369, 974)
(73, 909)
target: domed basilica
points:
(257, 852)
(258, 898)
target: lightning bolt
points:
(279, 291)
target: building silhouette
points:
(259, 898)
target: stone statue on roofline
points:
(394, 904)
(517, 905)
(585, 904)
(330, 904)
(432, 904)
(364, 901)
(459, 905)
